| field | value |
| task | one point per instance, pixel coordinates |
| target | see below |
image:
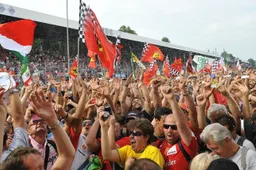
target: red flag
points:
(176, 67)
(92, 63)
(150, 72)
(105, 49)
(189, 67)
(166, 67)
(152, 52)
(73, 69)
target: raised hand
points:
(43, 107)
(116, 83)
(240, 90)
(167, 92)
(128, 81)
(221, 87)
(90, 103)
(182, 84)
(156, 83)
(3, 107)
(201, 100)
(94, 84)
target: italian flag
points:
(18, 36)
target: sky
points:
(199, 24)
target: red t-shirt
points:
(74, 137)
(173, 156)
(121, 142)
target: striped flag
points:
(18, 36)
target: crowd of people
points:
(196, 122)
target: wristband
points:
(55, 126)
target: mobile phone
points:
(105, 116)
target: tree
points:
(127, 30)
(252, 62)
(165, 39)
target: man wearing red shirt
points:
(179, 146)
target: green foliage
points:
(127, 30)
(252, 62)
(165, 39)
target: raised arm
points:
(17, 112)
(155, 93)
(124, 93)
(190, 103)
(107, 152)
(179, 116)
(201, 111)
(145, 92)
(44, 109)
(3, 113)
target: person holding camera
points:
(140, 138)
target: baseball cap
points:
(222, 164)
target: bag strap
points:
(46, 156)
(53, 145)
(188, 158)
(241, 140)
(160, 142)
(243, 157)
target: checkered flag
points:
(215, 64)
(145, 48)
(83, 9)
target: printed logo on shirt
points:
(172, 150)
(170, 163)
(84, 147)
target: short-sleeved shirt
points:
(20, 139)
(250, 159)
(121, 142)
(149, 152)
(173, 156)
(82, 153)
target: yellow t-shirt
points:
(149, 152)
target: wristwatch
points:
(14, 91)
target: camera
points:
(105, 116)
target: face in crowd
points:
(171, 133)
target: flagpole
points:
(67, 36)
(78, 40)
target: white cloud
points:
(201, 24)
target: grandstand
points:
(49, 49)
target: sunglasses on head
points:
(37, 121)
(173, 127)
(87, 123)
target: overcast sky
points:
(199, 24)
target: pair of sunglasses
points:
(135, 133)
(173, 127)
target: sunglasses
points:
(173, 127)
(135, 133)
(87, 124)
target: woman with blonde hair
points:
(201, 161)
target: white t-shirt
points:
(246, 143)
(82, 153)
(250, 159)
